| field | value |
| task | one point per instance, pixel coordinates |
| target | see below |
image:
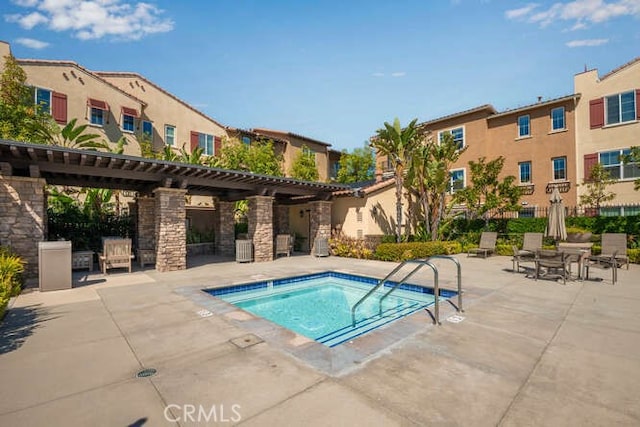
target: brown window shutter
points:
(59, 107)
(194, 140)
(596, 113)
(590, 160)
(638, 104)
(217, 145)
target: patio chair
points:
(603, 262)
(615, 243)
(487, 244)
(116, 253)
(520, 256)
(283, 244)
(531, 244)
(556, 265)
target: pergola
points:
(25, 169)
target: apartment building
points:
(607, 126)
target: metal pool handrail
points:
(436, 288)
(459, 272)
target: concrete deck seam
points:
(542, 354)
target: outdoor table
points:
(579, 252)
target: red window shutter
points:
(217, 145)
(194, 140)
(59, 107)
(590, 160)
(638, 104)
(596, 113)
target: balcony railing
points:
(563, 187)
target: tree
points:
(596, 188)
(13, 89)
(357, 166)
(258, 157)
(73, 136)
(397, 144)
(429, 178)
(304, 165)
(633, 157)
(487, 192)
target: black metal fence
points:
(570, 211)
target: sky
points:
(334, 70)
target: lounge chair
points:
(531, 245)
(487, 244)
(283, 245)
(615, 243)
(556, 265)
(116, 253)
(602, 262)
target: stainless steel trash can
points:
(54, 265)
(321, 247)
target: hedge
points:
(414, 250)
(11, 268)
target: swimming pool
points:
(318, 306)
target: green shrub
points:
(349, 247)
(413, 250)
(11, 268)
(634, 255)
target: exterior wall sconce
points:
(301, 213)
(374, 211)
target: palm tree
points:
(397, 144)
(73, 136)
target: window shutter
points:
(590, 160)
(596, 113)
(194, 140)
(217, 145)
(59, 107)
(638, 104)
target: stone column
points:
(146, 222)
(261, 227)
(320, 217)
(170, 229)
(281, 219)
(225, 228)
(23, 219)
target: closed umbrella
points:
(556, 227)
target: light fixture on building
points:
(301, 213)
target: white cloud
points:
(587, 42)
(398, 74)
(519, 13)
(378, 74)
(94, 19)
(578, 11)
(32, 43)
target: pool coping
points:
(334, 361)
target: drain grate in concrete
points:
(246, 341)
(455, 318)
(148, 372)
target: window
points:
(557, 118)
(205, 142)
(128, 123)
(308, 152)
(620, 211)
(335, 167)
(43, 100)
(457, 134)
(456, 180)
(559, 168)
(147, 128)
(612, 162)
(620, 108)
(97, 116)
(527, 213)
(525, 172)
(523, 126)
(169, 135)
(246, 140)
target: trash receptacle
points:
(54, 265)
(244, 250)
(321, 247)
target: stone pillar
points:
(23, 219)
(146, 222)
(225, 228)
(261, 227)
(170, 229)
(281, 219)
(320, 217)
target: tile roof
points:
(487, 107)
(290, 134)
(615, 70)
(536, 105)
(365, 188)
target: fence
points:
(570, 211)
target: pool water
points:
(318, 306)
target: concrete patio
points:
(527, 353)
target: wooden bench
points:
(116, 253)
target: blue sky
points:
(334, 70)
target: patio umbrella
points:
(556, 227)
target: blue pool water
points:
(318, 306)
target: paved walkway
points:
(527, 353)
